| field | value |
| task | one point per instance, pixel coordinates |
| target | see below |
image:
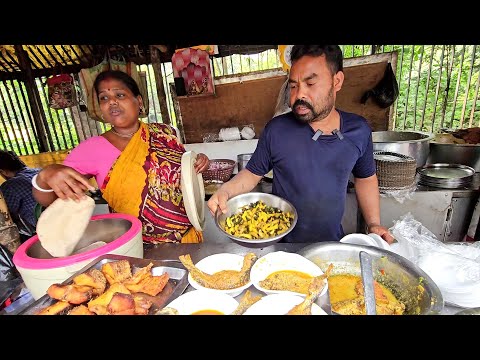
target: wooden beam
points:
(33, 98)
(157, 70)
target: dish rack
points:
(394, 171)
(219, 170)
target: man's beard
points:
(314, 115)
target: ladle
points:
(367, 280)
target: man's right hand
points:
(218, 200)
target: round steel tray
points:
(449, 176)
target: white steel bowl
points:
(234, 206)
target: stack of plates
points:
(449, 176)
(394, 171)
(457, 276)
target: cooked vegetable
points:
(258, 221)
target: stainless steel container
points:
(410, 284)
(411, 143)
(234, 206)
(242, 160)
(465, 154)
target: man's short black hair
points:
(333, 55)
(10, 161)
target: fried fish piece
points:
(93, 278)
(99, 305)
(117, 271)
(379, 294)
(222, 280)
(142, 305)
(247, 300)
(74, 294)
(121, 304)
(148, 284)
(287, 280)
(58, 308)
(80, 310)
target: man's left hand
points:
(382, 231)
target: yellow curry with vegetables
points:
(258, 221)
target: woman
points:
(136, 165)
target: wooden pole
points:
(33, 98)
(157, 70)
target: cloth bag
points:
(61, 91)
(87, 78)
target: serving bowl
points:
(219, 262)
(234, 206)
(201, 302)
(279, 304)
(283, 261)
(408, 282)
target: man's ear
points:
(338, 80)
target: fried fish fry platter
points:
(112, 288)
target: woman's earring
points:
(141, 110)
(101, 115)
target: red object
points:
(57, 79)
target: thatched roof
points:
(46, 60)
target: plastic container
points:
(39, 269)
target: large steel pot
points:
(411, 143)
(407, 281)
(465, 154)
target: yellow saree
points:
(144, 182)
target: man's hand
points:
(381, 231)
(218, 200)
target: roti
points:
(62, 224)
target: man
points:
(312, 150)
(17, 191)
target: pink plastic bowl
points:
(23, 260)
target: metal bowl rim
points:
(429, 137)
(259, 241)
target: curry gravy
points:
(207, 312)
(347, 289)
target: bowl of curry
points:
(401, 287)
(256, 219)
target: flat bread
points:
(62, 224)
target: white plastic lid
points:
(193, 191)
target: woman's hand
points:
(64, 181)
(201, 163)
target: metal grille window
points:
(438, 85)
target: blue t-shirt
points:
(17, 192)
(313, 175)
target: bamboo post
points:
(157, 70)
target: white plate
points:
(367, 240)
(281, 260)
(279, 304)
(218, 262)
(198, 300)
(193, 191)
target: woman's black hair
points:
(333, 54)
(10, 161)
(120, 76)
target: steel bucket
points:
(410, 143)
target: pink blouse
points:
(93, 157)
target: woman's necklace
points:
(123, 135)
